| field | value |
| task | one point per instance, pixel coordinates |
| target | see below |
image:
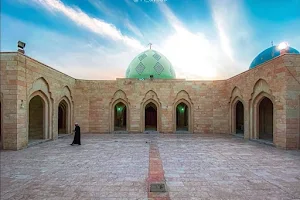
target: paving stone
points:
(194, 167)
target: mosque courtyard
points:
(121, 166)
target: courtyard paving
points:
(116, 166)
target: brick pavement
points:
(117, 167)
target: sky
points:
(97, 39)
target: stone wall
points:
(9, 92)
(292, 98)
(208, 107)
(91, 103)
(22, 78)
(271, 80)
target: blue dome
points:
(268, 54)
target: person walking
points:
(77, 135)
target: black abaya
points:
(77, 136)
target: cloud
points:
(233, 29)
(117, 16)
(137, 9)
(95, 25)
(79, 58)
(196, 56)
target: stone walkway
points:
(117, 167)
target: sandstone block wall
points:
(292, 98)
(22, 78)
(91, 103)
(94, 100)
(273, 80)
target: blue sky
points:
(97, 39)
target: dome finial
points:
(150, 44)
(272, 43)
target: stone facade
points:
(211, 104)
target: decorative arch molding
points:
(41, 87)
(254, 112)
(47, 109)
(118, 97)
(119, 94)
(184, 97)
(67, 92)
(150, 97)
(260, 86)
(182, 94)
(236, 92)
(66, 95)
(41, 84)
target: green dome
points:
(148, 63)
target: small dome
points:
(148, 63)
(269, 54)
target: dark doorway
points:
(182, 117)
(239, 114)
(266, 119)
(62, 117)
(151, 117)
(120, 120)
(36, 118)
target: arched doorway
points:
(182, 118)
(150, 117)
(239, 120)
(120, 117)
(36, 118)
(62, 117)
(266, 119)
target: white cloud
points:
(79, 58)
(116, 15)
(93, 24)
(194, 55)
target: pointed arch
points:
(260, 85)
(112, 114)
(119, 94)
(255, 110)
(118, 97)
(150, 97)
(183, 94)
(65, 95)
(261, 90)
(41, 97)
(143, 114)
(41, 84)
(41, 88)
(67, 92)
(184, 97)
(67, 107)
(235, 92)
(236, 96)
(233, 114)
